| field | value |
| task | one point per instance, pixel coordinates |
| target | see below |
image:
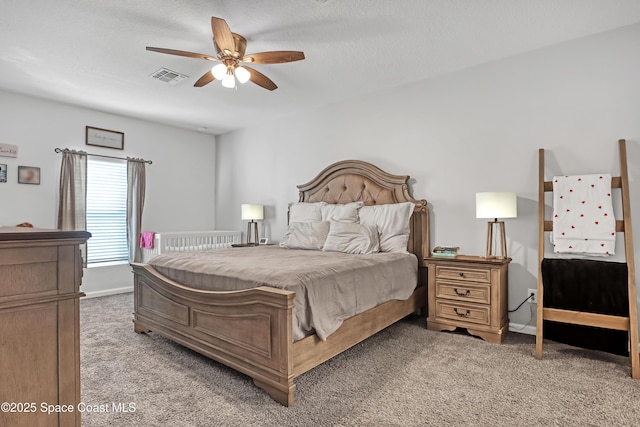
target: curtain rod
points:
(59, 150)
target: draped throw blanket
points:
(583, 220)
(146, 239)
(590, 286)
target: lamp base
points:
(252, 226)
(503, 241)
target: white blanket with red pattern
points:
(583, 220)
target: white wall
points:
(476, 130)
(181, 176)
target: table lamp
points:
(496, 205)
(252, 213)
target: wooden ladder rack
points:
(624, 323)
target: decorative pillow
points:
(392, 221)
(305, 212)
(347, 212)
(305, 235)
(352, 238)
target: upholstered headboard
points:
(357, 181)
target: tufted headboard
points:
(357, 181)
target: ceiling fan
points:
(230, 48)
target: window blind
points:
(107, 210)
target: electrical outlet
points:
(534, 299)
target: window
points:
(107, 211)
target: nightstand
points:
(468, 292)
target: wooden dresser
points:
(40, 275)
(468, 292)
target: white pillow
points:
(305, 235)
(347, 212)
(305, 212)
(392, 221)
(352, 238)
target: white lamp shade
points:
(242, 74)
(229, 81)
(219, 71)
(496, 205)
(252, 212)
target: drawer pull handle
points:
(467, 314)
(461, 274)
(462, 294)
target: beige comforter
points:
(330, 286)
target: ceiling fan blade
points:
(260, 79)
(205, 79)
(222, 35)
(275, 57)
(183, 53)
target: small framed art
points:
(3, 173)
(104, 138)
(28, 175)
(8, 150)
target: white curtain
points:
(72, 203)
(136, 178)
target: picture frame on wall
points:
(3, 173)
(104, 138)
(28, 175)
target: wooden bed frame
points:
(251, 330)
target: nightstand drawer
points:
(467, 313)
(478, 275)
(463, 292)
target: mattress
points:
(330, 287)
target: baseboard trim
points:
(522, 329)
(96, 294)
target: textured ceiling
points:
(91, 53)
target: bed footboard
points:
(249, 330)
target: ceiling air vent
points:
(168, 76)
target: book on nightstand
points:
(445, 251)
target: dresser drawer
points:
(468, 313)
(26, 271)
(463, 291)
(464, 274)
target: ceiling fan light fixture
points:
(230, 52)
(219, 71)
(242, 74)
(229, 81)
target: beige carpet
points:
(403, 376)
